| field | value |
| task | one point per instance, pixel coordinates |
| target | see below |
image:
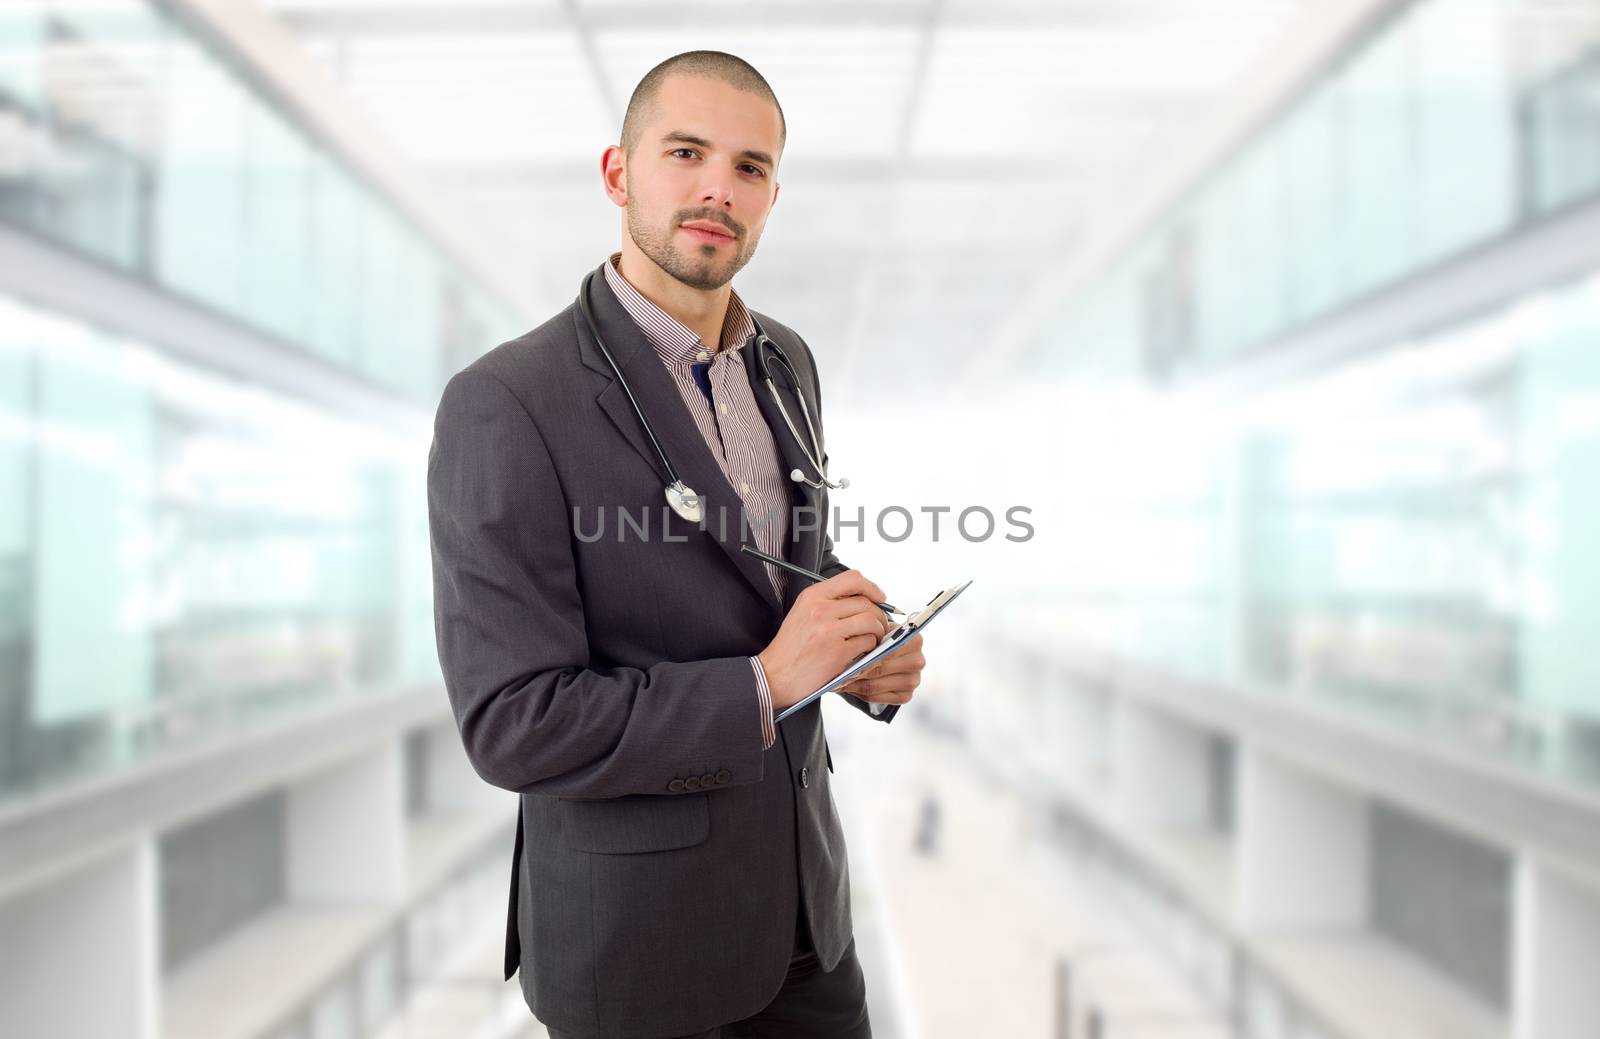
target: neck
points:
(701, 310)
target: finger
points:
(909, 646)
(867, 691)
(855, 624)
(859, 606)
(888, 696)
(889, 685)
(856, 645)
(913, 644)
(899, 662)
(849, 604)
(889, 623)
(894, 664)
(851, 582)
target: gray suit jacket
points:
(660, 851)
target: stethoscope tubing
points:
(594, 330)
(813, 453)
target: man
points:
(679, 867)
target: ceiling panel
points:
(939, 153)
(843, 91)
(475, 98)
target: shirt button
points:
(724, 408)
(702, 355)
(744, 488)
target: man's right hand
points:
(831, 623)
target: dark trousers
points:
(812, 1004)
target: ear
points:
(614, 174)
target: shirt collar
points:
(675, 342)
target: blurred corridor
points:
(1276, 322)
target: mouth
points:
(705, 234)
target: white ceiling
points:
(938, 152)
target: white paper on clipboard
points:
(890, 642)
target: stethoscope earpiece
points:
(798, 477)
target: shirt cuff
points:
(769, 731)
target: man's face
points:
(707, 154)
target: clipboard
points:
(890, 642)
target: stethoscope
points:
(680, 496)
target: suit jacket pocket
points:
(636, 823)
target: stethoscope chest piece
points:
(684, 501)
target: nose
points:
(717, 191)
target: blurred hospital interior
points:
(1275, 323)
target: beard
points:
(697, 266)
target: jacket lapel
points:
(804, 547)
(659, 399)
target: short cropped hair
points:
(734, 71)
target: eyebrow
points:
(689, 138)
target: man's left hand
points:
(892, 679)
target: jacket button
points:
(692, 783)
(675, 786)
(708, 780)
(805, 776)
(723, 775)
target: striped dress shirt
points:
(723, 406)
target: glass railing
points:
(126, 136)
(384, 990)
(1404, 534)
(1409, 536)
(181, 552)
(1453, 123)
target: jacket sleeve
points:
(534, 716)
(830, 566)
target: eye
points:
(677, 150)
(757, 170)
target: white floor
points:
(975, 933)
